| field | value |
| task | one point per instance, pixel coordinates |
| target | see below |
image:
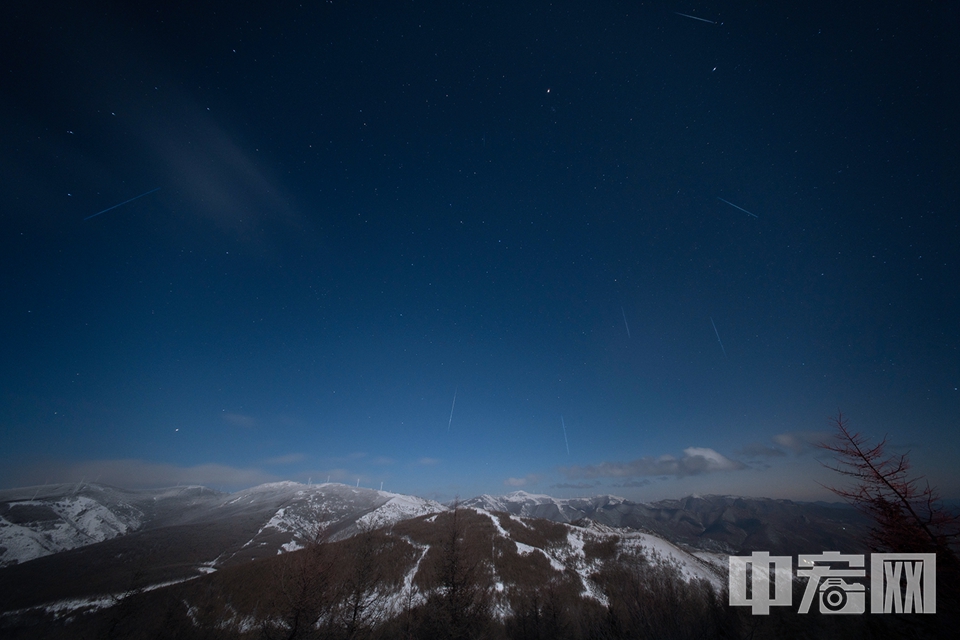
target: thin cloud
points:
(632, 483)
(287, 459)
(240, 420)
(529, 479)
(337, 475)
(792, 442)
(759, 450)
(215, 171)
(695, 461)
(575, 485)
(428, 462)
(139, 474)
(800, 442)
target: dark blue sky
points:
(365, 208)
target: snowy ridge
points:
(512, 501)
(40, 521)
(34, 528)
(692, 564)
(533, 505)
(310, 507)
(408, 595)
(281, 517)
(399, 507)
(61, 608)
(330, 510)
(571, 555)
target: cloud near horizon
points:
(760, 450)
(799, 442)
(632, 484)
(290, 458)
(695, 461)
(522, 482)
(575, 485)
(795, 442)
(240, 420)
(139, 474)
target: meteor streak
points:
(450, 421)
(718, 337)
(564, 434)
(736, 207)
(694, 17)
(625, 321)
(121, 204)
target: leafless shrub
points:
(361, 591)
(303, 590)
(602, 549)
(459, 605)
(650, 598)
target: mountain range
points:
(70, 549)
(726, 524)
(40, 521)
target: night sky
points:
(464, 247)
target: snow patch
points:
(397, 508)
(42, 527)
(293, 545)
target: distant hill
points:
(40, 521)
(62, 541)
(728, 524)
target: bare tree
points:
(361, 597)
(304, 593)
(548, 610)
(460, 608)
(126, 606)
(649, 597)
(406, 624)
(908, 512)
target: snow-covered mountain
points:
(511, 555)
(531, 505)
(74, 553)
(41, 521)
(567, 552)
(73, 550)
(727, 524)
(299, 512)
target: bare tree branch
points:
(908, 517)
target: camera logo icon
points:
(839, 596)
